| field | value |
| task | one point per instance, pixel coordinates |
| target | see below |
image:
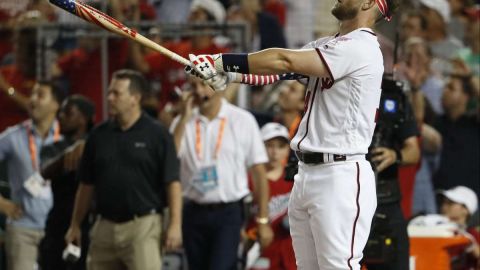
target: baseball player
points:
(333, 199)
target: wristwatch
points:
(262, 220)
(11, 91)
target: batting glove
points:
(218, 82)
(206, 65)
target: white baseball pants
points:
(330, 212)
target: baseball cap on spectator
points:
(274, 130)
(213, 7)
(462, 195)
(442, 7)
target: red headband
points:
(383, 7)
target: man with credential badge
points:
(217, 144)
(31, 196)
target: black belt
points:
(316, 158)
(129, 217)
(212, 206)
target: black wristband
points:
(398, 153)
(235, 62)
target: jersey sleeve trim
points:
(325, 63)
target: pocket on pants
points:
(147, 227)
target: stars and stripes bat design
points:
(110, 24)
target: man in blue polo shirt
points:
(31, 196)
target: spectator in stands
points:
(166, 73)
(430, 143)
(217, 144)
(458, 18)
(45, 8)
(171, 12)
(130, 168)
(460, 133)
(288, 98)
(300, 22)
(437, 15)
(414, 27)
(468, 61)
(31, 196)
(17, 79)
(9, 11)
(471, 54)
(265, 29)
(82, 68)
(59, 164)
(133, 10)
(277, 8)
(412, 24)
(280, 251)
(459, 204)
(457, 207)
(416, 69)
(291, 103)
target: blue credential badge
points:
(206, 179)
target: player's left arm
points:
(273, 61)
(259, 80)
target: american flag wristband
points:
(253, 79)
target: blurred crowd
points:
(431, 46)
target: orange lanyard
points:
(293, 127)
(32, 146)
(198, 139)
(291, 132)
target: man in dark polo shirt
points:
(76, 118)
(130, 167)
(460, 139)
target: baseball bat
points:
(110, 24)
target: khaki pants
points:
(21, 246)
(133, 245)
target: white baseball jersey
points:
(231, 142)
(340, 110)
